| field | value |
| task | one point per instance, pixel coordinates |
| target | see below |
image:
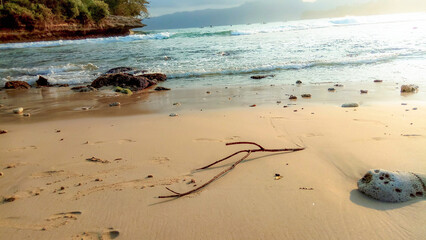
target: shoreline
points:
(110, 27)
(52, 103)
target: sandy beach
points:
(54, 192)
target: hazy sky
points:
(161, 7)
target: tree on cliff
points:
(29, 14)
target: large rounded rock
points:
(17, 85)
(123, 80)
(391, 186)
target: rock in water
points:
(42, 82)
(391, 186)
(119, 70)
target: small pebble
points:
(98, 180)
(27, 115)
(278, 102)
(253, 105)
(1, 174)
(62, 188)
(285, 106)
(298, 82)
(114, 104)
(149, 176)
(176, 104)
(173, 115)
(378, 81)
(292, 97)
(363, 91)
(338, 85)
(307, 95)
(3, 131)
(18, 110)
(331, 89)
(414, 108)
(294, 110)
(192, 181)
(277, 175)
(208, 92)
(403, 104)
(9, 199)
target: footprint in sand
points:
(107, 234)
(60, 219)
(32, 147)
(121, 141)
(160, 160)
(217, 140)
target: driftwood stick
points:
(207, 183)
(249, 151)
(261, 149)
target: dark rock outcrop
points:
(162, 89)
(119, 70)
(17, 85)
(42, 82)
(123, 80)
(156, 76)
(261, 76)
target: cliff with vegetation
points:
(25, 20)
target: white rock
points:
(391, 186)
(18, 110)
(114, 104)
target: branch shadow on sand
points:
(362, 200)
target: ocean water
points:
(350, 49)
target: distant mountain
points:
(252, 12)
(371, 8)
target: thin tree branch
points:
(249, 151)
(207, 183)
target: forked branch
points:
(248, 151)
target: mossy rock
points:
(118, 89)
(127, 91)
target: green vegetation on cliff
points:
(30, 14)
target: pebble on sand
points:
(3, 131)
(350, 105)
(409, 88)
(306, 95)
(253, 105)
(331, 89)
(292, 97)
(18, 110)
(173, 115)
(114, 104)
(1, 174)
(27, 115)
(378, 81)
(298, 82)
(363, 91)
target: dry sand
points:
(61, 195)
